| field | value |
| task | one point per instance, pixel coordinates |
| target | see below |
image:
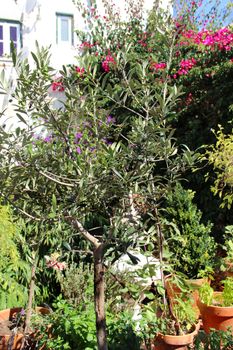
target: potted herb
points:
(169, 326)
(217, 307)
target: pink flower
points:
(188, 64)
(159, 66)
(52, 262)
(56, 265)
(80, 71)
(109, 60)
(189, 99)
(86, 44)
(58, 86)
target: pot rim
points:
(195, 330)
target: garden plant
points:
(99, 150)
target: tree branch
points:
(88, 237)
(19, 209)
(55, 180)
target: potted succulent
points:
(217, 307)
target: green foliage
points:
(220, 156)
(185, 313)
(74, 328)
(109, 137)
(214, 341)
(228, 291)
(121, 333)
(71, 328)
(206, 293)
(13, 270)
(187, 238)
(156, 319)
(77, 284)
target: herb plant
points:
(206, 293)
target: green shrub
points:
(214, 341)
(220, 157)
(12, 291)
(74, 328)
(189, 241)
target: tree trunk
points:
(30, 301)
(99, 296)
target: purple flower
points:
(48, 138)
(109, 143)
(78, 136)
(110, 119)
(78, 150)
(22, 312)
(106, 141)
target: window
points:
(9, 31)
(64, 29)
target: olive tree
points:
(94, 150)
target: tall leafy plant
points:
(101, 162)
(13, 270)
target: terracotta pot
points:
(173, 291)
(217, 317)
(176, 342)
(5, 339)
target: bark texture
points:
(99, 295)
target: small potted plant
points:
(217, 307)
(167, 326)
(12, 324)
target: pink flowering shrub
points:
(108, 62)
(158, 66)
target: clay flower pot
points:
(176, 342)
(217, 317)
(15, 340)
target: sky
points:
(209, 7)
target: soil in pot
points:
(11, 330)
